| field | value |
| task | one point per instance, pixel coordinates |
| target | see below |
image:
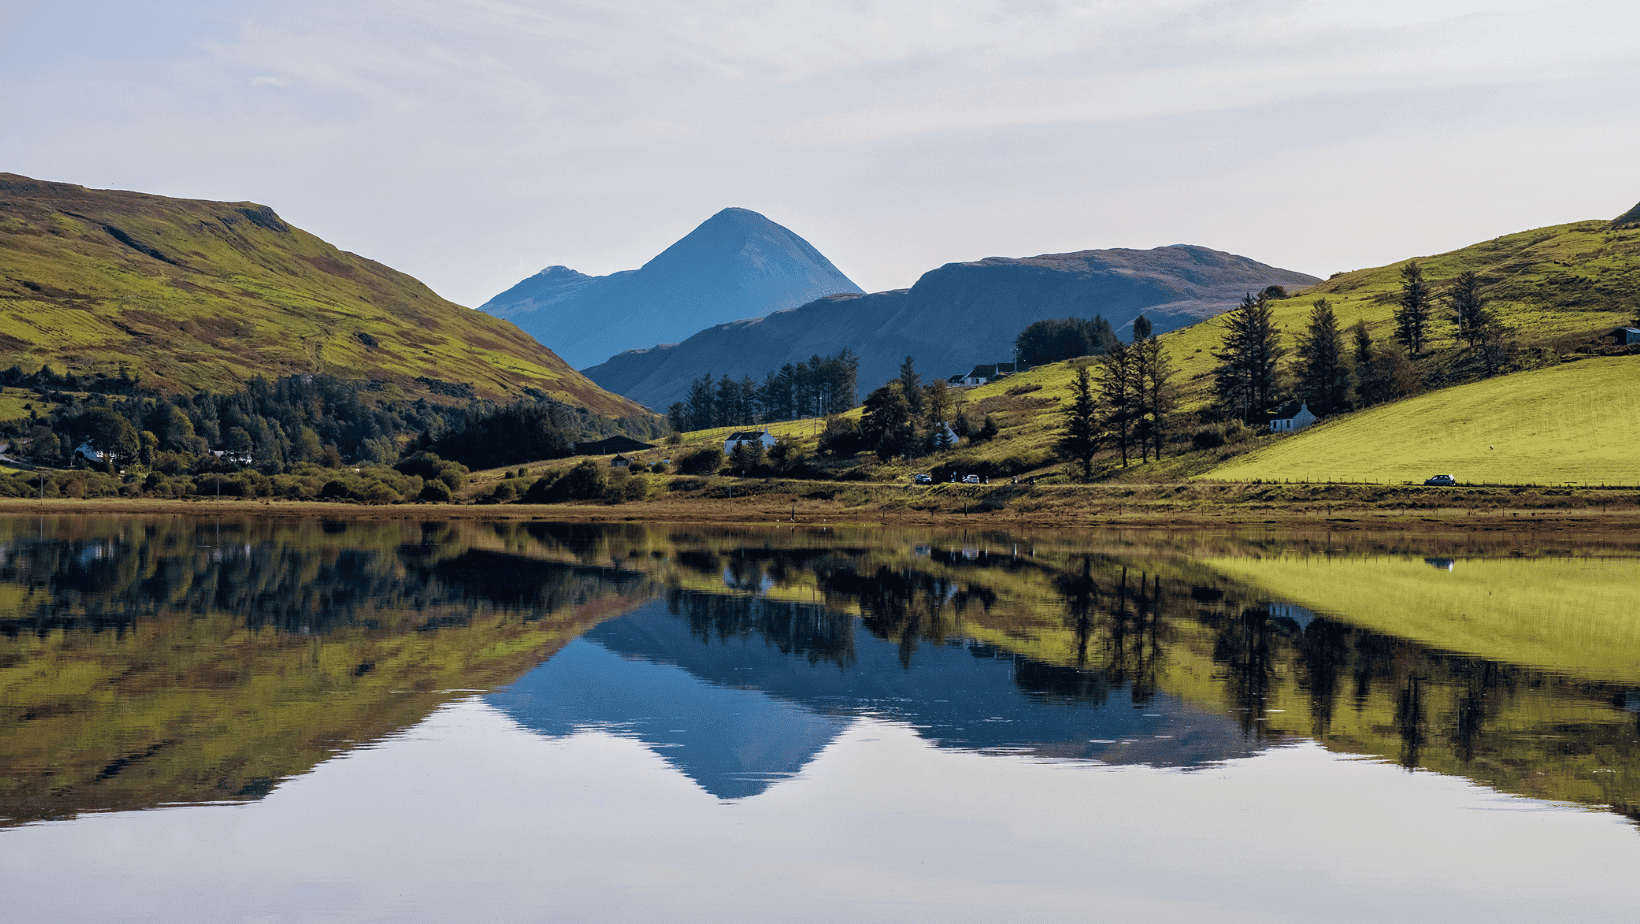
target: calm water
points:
(325, 721)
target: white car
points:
(971, 479)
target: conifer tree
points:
(1118, 395)
(1079, 437)
(1412, 316)
(1469, 311)
(1246, 378)
(1323, 369)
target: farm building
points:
(1289, 419)
(747, 436)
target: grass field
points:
(1571, 615)
(1578, 422)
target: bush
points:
(702, 461)
(436, 492)
(1221, 433)
(842, 438)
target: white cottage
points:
(747, 436)
(1297, 421)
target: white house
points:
(1297, 421)
(991, 372)
(91, 453)
(747, 436)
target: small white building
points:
(1297, 421)
(747, 436)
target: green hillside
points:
(1575, 422)
(188, 294)
(1556, 289)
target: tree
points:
(1323, 369)
(1052, 341)
(937, 401)
(1246, 379)
(1412, 316)
(911, 387)
(1079, 436)
(1383, 371)
(1118, 392)
(1154, 381)
(1469, 311)
(887, 424)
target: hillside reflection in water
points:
(147, 664)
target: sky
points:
(471, 143)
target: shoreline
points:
(1175, 506)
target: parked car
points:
(1446, 480)
(971, 479)
(923, 478)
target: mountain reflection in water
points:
(738, 713)
(153, 662)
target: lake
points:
(326, 720)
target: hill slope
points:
(737, 264)
(954, 318)
(191, 294)
(1570, 423)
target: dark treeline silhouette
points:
(1046, 342)
(283, 579)
(275, 428)
(816, 387)
(815, 633)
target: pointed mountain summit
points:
(736, 265)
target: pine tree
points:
(1246, 378)
(911, 386)
(1412, 316)
(1469, 311)
(1156, 388)
(1079, 439)
(1323, 370)
(1119, 396)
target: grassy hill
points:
(1575, 422)
(188, 294)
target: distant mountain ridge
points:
(190, 294)
(737, 264)
(954, 317)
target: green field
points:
(1578, 422)
(1575, 616)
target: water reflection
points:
(152, 662)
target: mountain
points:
(737, 264)
(954, 317)
(1629, 219)
(188, 294)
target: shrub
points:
(436, 492)
(702, 461)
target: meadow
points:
(1573, 423)
(1570, 615)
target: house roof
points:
(983, 372)
(746, 435)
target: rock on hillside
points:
(954, 318)
(737, 264)
(1629, 219)
(190, 294)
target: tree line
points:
(276, 426)
(1128, 406)
(816, 387)
(1333, 370)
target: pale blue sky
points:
(472, 142)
